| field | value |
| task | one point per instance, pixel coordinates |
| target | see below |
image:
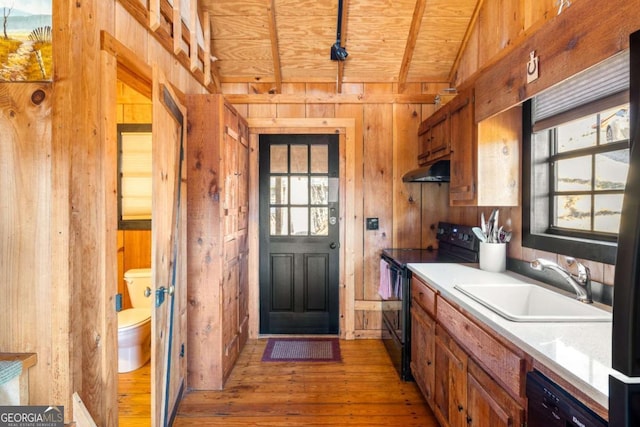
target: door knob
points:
(147, 292)
(333, 245)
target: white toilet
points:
(134, 324)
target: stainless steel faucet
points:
(581, 282)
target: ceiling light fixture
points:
(338, 53)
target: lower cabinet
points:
(488, 405)
(450, 400)
(423, 347)
(453, 374)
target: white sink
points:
(524, 302)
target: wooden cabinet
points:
(423, 348)
(462, 188)
(450, 400)
(468, 375)
(423, 337)
(488, 405)
(217, 198)
(485, 157)
(433, 136)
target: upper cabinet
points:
(434, 137)
(464, 134)
(485, 156)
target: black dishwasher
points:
(551, 406)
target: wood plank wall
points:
(61, 278)
(385, 147)
(74, 242)
(27, 298)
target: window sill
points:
(593, 250)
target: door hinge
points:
(118, 301)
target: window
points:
(576, 158)
(134, 176)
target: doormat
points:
(302, 350)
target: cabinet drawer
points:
(422, 294)
(503, 364)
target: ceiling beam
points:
(275, 50)
(416, 22)
(343, 41)
(331, 99)
(465, 40)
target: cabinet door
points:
(450, 393)
(462, 189)
(439, 144)
(423, 351)
(230, 170)
(230, 319)
(243, 174)
(488, 404)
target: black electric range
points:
(456, 244)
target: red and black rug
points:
(302, 350)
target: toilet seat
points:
(132, 317)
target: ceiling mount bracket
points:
(338, 53)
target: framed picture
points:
(25, 40)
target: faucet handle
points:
(584, 274)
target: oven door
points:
(394, 322)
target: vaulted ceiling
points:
(283, 41)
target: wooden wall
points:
(28, 300)
(58, 210)
(505, 32)
(385, 148)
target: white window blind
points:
(607, 78)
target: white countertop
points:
(577, 352)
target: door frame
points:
(118, 63)
(345, 128)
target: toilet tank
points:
(138, 279)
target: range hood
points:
(437, 172)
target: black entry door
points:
(299, 234)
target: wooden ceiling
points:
(289, 41)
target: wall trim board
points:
(390, 98)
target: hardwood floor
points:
(363, 390)
(134, 398)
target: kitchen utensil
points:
(479, 234)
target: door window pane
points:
(611, 170)
(608, 208)
(573, 212)
(319, 190)
(279, 190)
(319, 159)
(278, 159)
(279, 220)
(299, 221)
(299, 190)
(574, 174)
(299, 159)
(320, 221)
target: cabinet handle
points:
(428, 362)
(460, 409)
(469, 420)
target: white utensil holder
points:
(493, 257)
